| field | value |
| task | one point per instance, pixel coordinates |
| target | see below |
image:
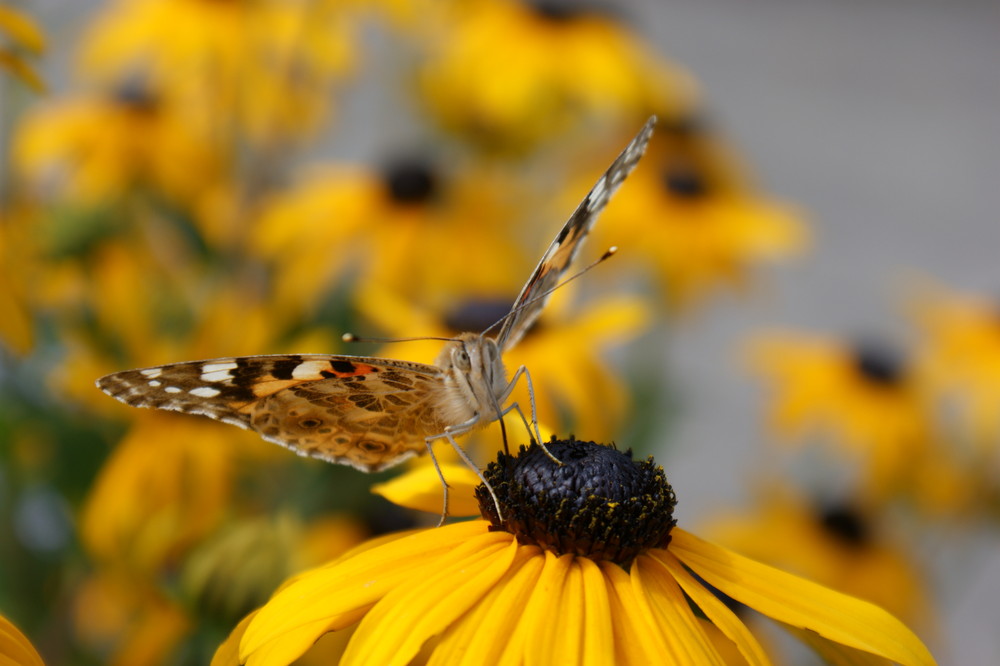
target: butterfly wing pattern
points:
(370, 413)
(560, 254)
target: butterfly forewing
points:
(369, 413)
(557, 258)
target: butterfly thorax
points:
(475, 380)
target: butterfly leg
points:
(444, 483)
(533, 427)
(450, 432)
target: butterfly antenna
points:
(545, 294)
(350, 337)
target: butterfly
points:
(373, 413)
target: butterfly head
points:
(475, 376)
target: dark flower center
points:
(879, 364)
(687, 126)
(600, 503)
(684, 182)
(134, 93)
(410, 181)
(558, 11)
(846, 524)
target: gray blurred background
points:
(882, 119)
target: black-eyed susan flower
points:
(571, 63)
(861, 400)
(94, 149)
(262, 68)
(15, 648)
(20, 37)
(584, 566)
(703, 225)
(409, 226)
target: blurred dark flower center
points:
(477, 314)
(556, 11)
(846, 524)
(134, 93)
(684, 182)
(410, 181)
(879, 364)
(600, 503)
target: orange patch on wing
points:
(348, 369)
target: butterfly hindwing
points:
(369, 413)
(557, 258)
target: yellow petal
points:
(15, 648)
(332, 596)
(465, 643)
(554, 614)
(21, 70)
(22, 29)
(801, 603)
(228, 652)
(663, 601)
(396, 628)
(535, 621)
(420, 488)
(638, 640)
(724, 619)
(598, 637)
(835, 654)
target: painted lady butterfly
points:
(372, 413)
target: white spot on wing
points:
(599, 194)
(204, 392)
(215, 376)
(219, 367)
(172, 389)
(309, 369)
(151, 372)
(154, 383)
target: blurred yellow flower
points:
(702, 226)
(861, 400)
(267, 65)
(164, 487)
(125, 620)
(409, 227)
(606, 581)
(19, 35)
(960, 354)
(15, 648)
(17, 328)
(570, 64)
(93, 149)
(842, 546)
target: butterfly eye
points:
(462, 359)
